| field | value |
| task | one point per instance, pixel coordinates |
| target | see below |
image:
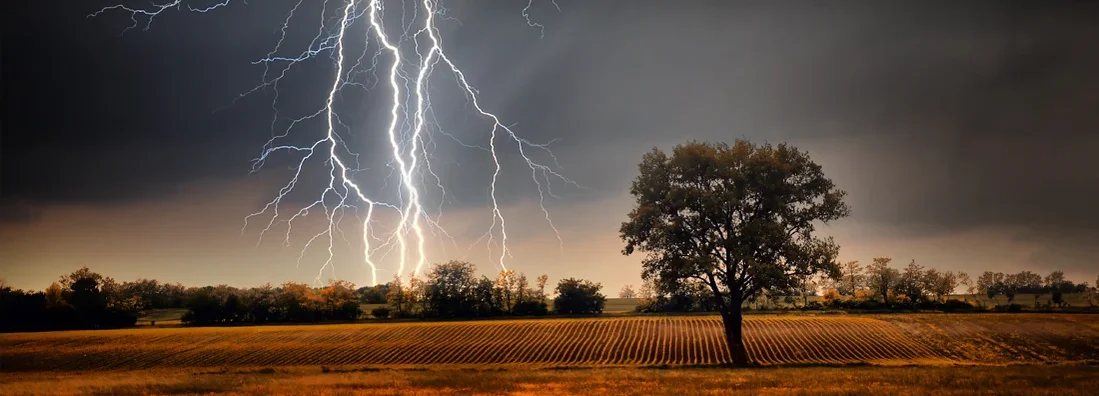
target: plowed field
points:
(623, 341)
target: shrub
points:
(955, 306)
(647, 305)
(575, 296)
(927, 305)
(864, 295)
(530, 308)
(1056, 297)
(380, 312)
(1008, 308)
(813, 305)
(832, 298)
(899, 299)
(868, 305)
(115, 318)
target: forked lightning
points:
(407, 131)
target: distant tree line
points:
(290, 302)
(915, 286)
(84, 300)
(877, 286)
(451, 290)
(995, 284)
(87, 300)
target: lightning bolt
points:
(408, 132)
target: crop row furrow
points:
(795, 352)
(807, 349)
(913, 344)
(764, 342)
(666, 340)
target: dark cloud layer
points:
(92, 117)
(953, 114)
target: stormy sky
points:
(964, 132)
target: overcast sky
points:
(964, 132)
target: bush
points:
(380, 312)
(1057, 297)
(862, 295)
(814, 306)
(1008, 308)
(927, 305)
(647, 305)
(575, 296)
(832, 298)
(868, 305)
(955, 306)
(530, 308)
(898, 299)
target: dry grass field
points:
(1039, 380)
(929, 339)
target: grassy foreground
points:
(957, 380)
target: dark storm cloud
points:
(18, 212)
(954, 114)
(94, 117)
(985, 113)
(958, 115)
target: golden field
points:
(899, 339)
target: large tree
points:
(739, 218)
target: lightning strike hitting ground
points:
(407, 131)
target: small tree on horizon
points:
(881, 278)
(970, 288)
(852, 278)
(55, 296)
(506, 284)
(940, 283)
(912, 282)
(540, 282)
(398, 297)
(991, 284)
(739, 218)
(1012, 283)
(627, 292)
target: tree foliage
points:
(881, 278)
(851, 279)
(81, 300)
(451, 288)
(577, 296)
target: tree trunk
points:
(734, 335)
